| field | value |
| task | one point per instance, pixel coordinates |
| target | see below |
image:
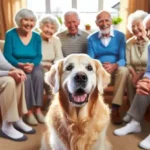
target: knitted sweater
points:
(114, 52)
(16, 52)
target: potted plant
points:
(87, 27)
(116, 20)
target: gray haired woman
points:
(51, 46)
(136, 51)
(23, 50)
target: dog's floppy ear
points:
(53, 76)
(103, 77)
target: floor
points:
(128, 142)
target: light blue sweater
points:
(113, 53)
(15, 51)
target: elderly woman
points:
(136, 51)
(140, 102)
(23, 50)
(12, 102)
(51, 46)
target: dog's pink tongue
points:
(79, 98)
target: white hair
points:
(70, 12)
(49, 19)
(102, 12)
(22, 14)
(146, 19)
(137, 15)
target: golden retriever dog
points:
(78, 117)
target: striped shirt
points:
(73, 44)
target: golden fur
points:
(78, 128)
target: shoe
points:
(129, 128)
(145, 143)
(40, 117)
(23, 138)
(26, 132)
(127, 118)
(115, 116)
(30, 119)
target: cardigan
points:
(16, 52)
(51, 50)
(134, 58)
(114, 52)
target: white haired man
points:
(108, 46)
(73, 39)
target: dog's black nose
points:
(80, 78)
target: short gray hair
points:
(72, 11)
(102, 12)
(49, 19)
(24, 13)
(137, 15)
(147, 18)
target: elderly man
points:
(73, 40)
(108, 46)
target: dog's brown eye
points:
(69, 68)
(89, 67)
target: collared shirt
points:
(73, 43)
(74, 36)
(106, 40)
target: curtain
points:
(129, 6)
(8, 9)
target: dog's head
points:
(78, 76)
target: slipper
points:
(30, 119)
(23, 138)
(40, 117)
(26, 132)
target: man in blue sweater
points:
(108, 46)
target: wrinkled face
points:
(27, 24)
(148, 29)
(72, 22)
(80, 76)
(104, 22)
(48, 30)
(138, 28)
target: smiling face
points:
(27, 24)
(79, 79)
(138, 28)
(78, 76)
(104, 22)
(48, 30)
(72, 22)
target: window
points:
(59, 6)
(87, 8)
(38, 7)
